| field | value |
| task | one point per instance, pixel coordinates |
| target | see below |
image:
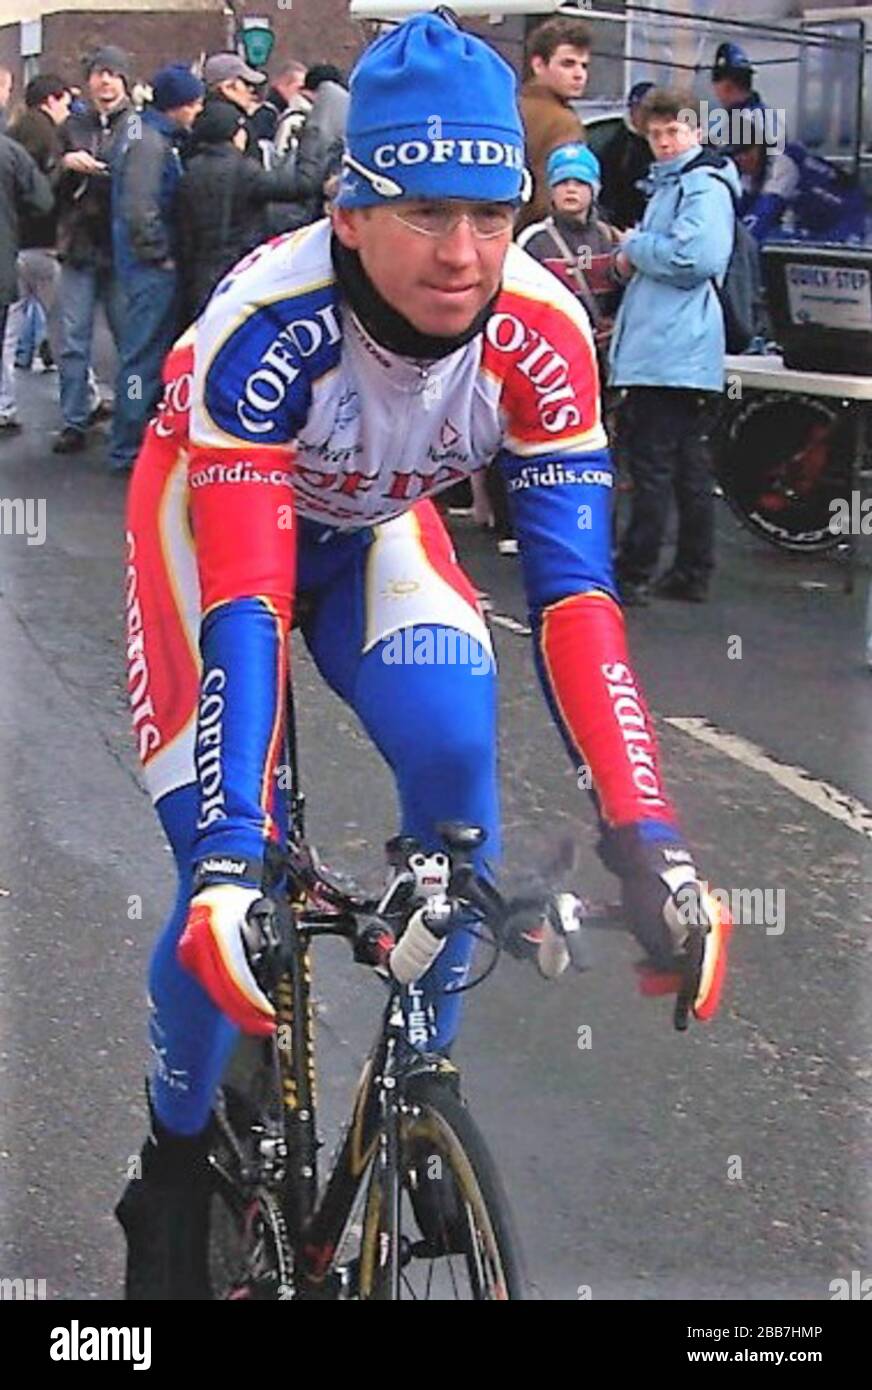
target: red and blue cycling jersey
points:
(286, 427)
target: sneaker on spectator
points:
(9, 424)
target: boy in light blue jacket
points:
(668, 349)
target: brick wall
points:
(150, 39)
(309, 30)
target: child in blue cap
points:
(574, 241)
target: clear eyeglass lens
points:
(439, 219)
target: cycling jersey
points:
(302, 427)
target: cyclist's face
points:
(440, 284)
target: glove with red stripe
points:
(666, 905)
(212, 948)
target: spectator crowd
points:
(139, 208)
(137, 200)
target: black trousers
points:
(666, 438)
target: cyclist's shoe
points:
(212, 947)
(430, 1182)
(165, 1217)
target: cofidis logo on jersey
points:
(259, 385)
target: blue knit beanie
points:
(175, 86)
(573, 162)
(433, 114)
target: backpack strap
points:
(704, 161)
(585, 293)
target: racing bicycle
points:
(414, 1206)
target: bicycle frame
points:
(315, 1227)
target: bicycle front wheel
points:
(437, 1223)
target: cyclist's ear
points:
(346, 225)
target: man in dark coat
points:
(221, 209)
(85, 237)
(23, 189)
(228, 78)
(625, 161)
(146, 172)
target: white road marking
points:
(511, 624)
(823, 795)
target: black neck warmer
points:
(385, 324)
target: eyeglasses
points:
(440, 219)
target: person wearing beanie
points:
(146, 172)
(626, 163)
(558, 57)
(576, 245)
(84, 244)
(336, 380)
(574, 241)
(223, 203)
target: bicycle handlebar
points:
(401, 934)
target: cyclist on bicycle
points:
(338, 378)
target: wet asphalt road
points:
(729, 1162)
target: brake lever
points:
(692, 967)
(261, 937)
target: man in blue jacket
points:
(146, 172)
(668, 349)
